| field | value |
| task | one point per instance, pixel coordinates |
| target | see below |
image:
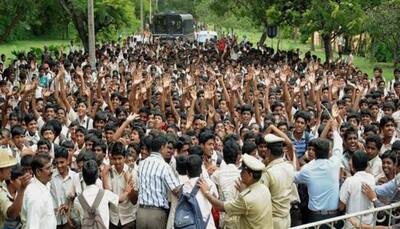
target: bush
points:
(380, 52)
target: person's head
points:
(91, 140)
(231, 152)
(43, 146)
(18, 136)
(16, 173)
(6, 163)
(351, 139)
(251, 170)
(50, 111)
(321, 149)
(194, 168)
(80, 136)
(30, 123)
(301, 119)
(246, 114)
(47, 132)
(359, 161)
(109, 130)
(84, 156)
(373, 144)
(26, 163)
(158, 143)
(181, 164)
(90, 172)
(207, 141)
(42, 167)
(196, 149)
(249, 148)
(274, 145)
(369, 130)
(390, 163)
(261, 146)
(61, 159)
(118, 154)
(387, 126)
(100, 120)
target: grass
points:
(26, 45)
(362, 63)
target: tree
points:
(110, 15)
(264, 12)
(384, 25)
(12, 13)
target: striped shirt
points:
(301, 146)
(155, 179)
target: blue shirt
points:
(301, 145)
(322, 179)
(155, 178)
(389, 191)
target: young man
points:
(156, 178)
(387, 127)
(62, 181)
(351, 197)
(118, 179)
(10, 209)
(253, 205)
(38, 207)
(300, 136)
(194, 170)
(90, 173)
(372, 145)
(225, 178)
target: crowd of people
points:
(258, 138)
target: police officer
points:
(253, 205)
(278, 176)
(8, 208)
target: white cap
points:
(271, 138)
(252, 163)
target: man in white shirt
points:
(61, 184)
(37, 207)
(351, 197)
(90, 173)
(225, 178)
(194, 170)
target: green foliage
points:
(384, 25)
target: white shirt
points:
(60, 188)
(90, 194)
(225, 179)
(125, 211)
(204, 204)
(37, 207)
(375, 167)
(352, 196)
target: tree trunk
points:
(312, 42)
(10, 27)
(263, 37)
(327, 46)
(79, 20)
(396, 56)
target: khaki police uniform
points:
(6, 162)
(253, 205)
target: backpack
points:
(188, 214)
(91, 215)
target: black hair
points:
(371, 128)
(44, 142)
(90, 172)
(60, 152)
(38, 162)
(302, 114)
(360, 160)
(248, 147)
(249, 135)
(16, 171)
(376, 139)
(276, 148)
(321, 149)
(29, 118)
(392, 156)
(26, 161)
(157, 142)
(205, 135)
(196, 149)
(349, 131)
(85, 156)
(181, 164)
(47, 127)
(386, 119)
(231, 151)
(57, 127)
(117, 148)
(17, 131)
(194, 163)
